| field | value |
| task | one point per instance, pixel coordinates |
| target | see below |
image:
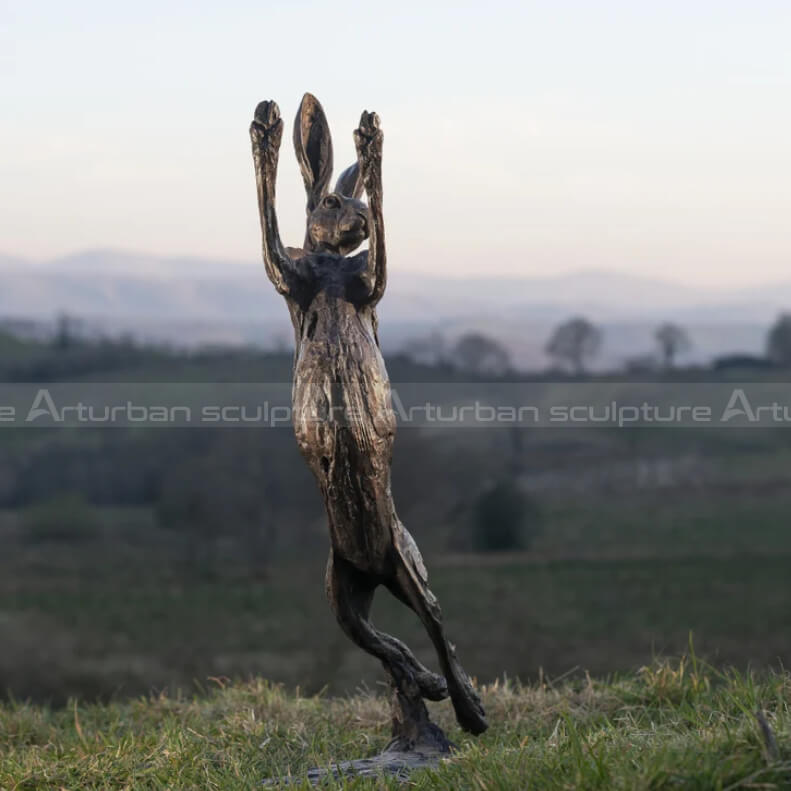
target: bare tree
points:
(778, 342)
(672, 340)
(65, 331)
(574, 342)
(431, 349)
(480, 354)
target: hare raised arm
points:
(368, 140)
(266, 132)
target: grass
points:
(674, 725)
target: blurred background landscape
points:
(582, 200)
(191, 302)
(140, 558)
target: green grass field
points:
(514, 617)
(673, 725)
(610, 583)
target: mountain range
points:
(190, 301)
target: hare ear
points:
(313, 144)
(350, 182)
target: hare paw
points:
(368, 140)
(267, 127)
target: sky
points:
(521, 138)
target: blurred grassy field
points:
(641, 536)
(612, 583)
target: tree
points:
(430, 349)
(480, 354)
(65, 328)
(672, 340)
(504, 518)
(778, 342)
(574, 342)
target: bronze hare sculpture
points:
(343, 418)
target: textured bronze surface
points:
(343, 418)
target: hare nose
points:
(352, 222)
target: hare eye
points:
(332, 202)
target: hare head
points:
(337, 220)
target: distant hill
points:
(191, 300)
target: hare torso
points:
(344, 424)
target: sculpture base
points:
(417, 744)
(392, 762)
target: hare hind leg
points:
(466, 703)
(350, 593)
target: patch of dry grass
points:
(677, 724)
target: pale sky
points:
(520, 137)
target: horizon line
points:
(506, 276)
